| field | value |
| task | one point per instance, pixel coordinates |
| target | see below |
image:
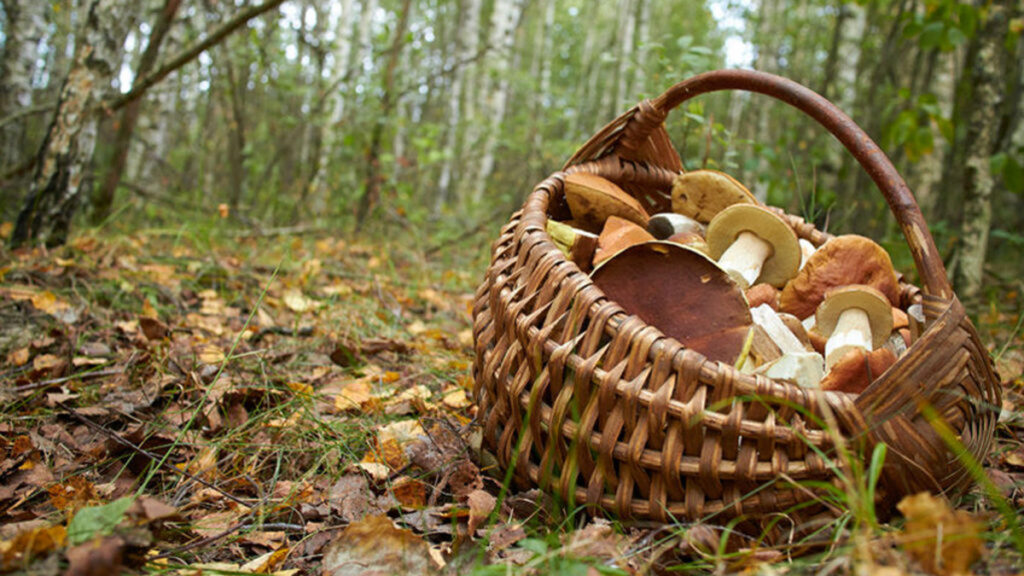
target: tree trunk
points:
(467, 45)
(507, 14)
(24, 30)
(339, 91)
(104, 197)
(371, 190)
(67, 148)
(624, 60)
(986, 71)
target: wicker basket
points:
(602, 410)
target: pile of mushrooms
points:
(729, 278)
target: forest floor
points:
(216, 402)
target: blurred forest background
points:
(380, 116)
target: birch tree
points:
(67, 149)
(338, 87)
(987, 74)
(104, 197)
(24, 31)
(467, 45)
(507, 13)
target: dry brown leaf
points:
(943, 540)
(98, 557)
(46, 362)
(409, 492)
(375, 547)
(30, 544)
(18, 357)
(211, 354)
(456, 399)
(481, 504)
(152, 328)
(391, 443)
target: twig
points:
(29, 111)
(82, 376)
(162, 462)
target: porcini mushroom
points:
(843, 260)
(667, 224)
(702, 194)
(857, 370)
(796, 364)
(577, 245)
(592, 199)
(752, 244)
(854, 317)
(681, 292)
(617, 235)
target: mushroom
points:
(854, 317)
(577, 245)
(843, 260)
(763, 294)
(702, 194)
(857, 370)
(593, 199)
(681, 292)
(690, 240)
(806, 250)
(617, 235)
(667, 224)
(796, 364)
(752, 244)
(798, 330)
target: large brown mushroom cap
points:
(592, 199)
(617, 235)
(682, 293)
(843, 260)
(701, 194)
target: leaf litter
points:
(305, 407)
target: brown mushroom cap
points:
(843, 260)
(738, 218)
(702, 194)
(763, 293)
(681, 292)
(856, 370)
(617, 235)
(865, 298)
(593, 199)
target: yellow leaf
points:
(300, 388)
(352, 396)
(18, 357)
(416, 328)
(6, 229)
(45, 362)
(210, 354)
(296, 301)
(456, 399)
(943, 540)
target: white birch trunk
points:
(26, 27)
(467, 46)
(339, 87)
(627, 23)
(503, 24)
(67, 150)
(643, 38)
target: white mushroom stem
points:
(853, 332)
(745, 257)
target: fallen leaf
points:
(409, 492)
(30, 544)
(456, 399)
(98, 557)
(943, 540)
(481, 504)
(210, 354)
(18, 357)
(296, 301)
(153, 329)
(376, 547)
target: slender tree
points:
(24, 31)
(63, 161)
(103, 199)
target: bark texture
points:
(62, 165)
(987, 72)
(26, 26)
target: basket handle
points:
(864, 150)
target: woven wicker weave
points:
(603, 410)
